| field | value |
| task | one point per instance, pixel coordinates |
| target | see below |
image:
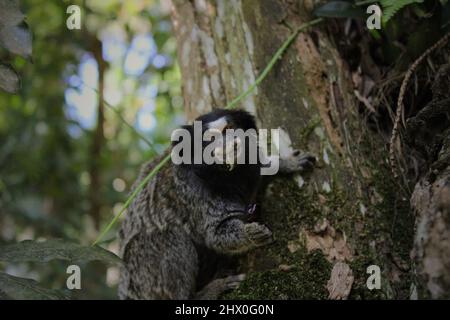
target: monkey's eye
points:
(228, 126)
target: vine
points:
(230, 105)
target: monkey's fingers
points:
(233, 282)
(258, 234)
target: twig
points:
(399, 111)
(117, 112)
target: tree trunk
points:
(428, 132)
(98, 139)
(349, 213)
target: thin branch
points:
(399, 111)
(119, 115)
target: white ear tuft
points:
(218, 124)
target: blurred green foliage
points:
(48, 128)
(46, 147)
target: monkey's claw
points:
(299, 162)
(258, 234)
(233, 282)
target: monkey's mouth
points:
(229, 153)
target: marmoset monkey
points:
(188, 211)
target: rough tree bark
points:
(349, 213)
(429, 133)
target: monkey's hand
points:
(297, 162)
(258, 234)
(235, 236)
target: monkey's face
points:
(229, 148)
(227, 138)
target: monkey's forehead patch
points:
(218, 124)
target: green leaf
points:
(364, 2)
(26, 289)
(339, 9)
(391, 7)
(10, 14)
(42, 252)
(16, 39)
(9, 79)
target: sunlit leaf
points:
(29, 250)
(26, 289)
(9, 80)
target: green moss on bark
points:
(378, 226)
(306, 279)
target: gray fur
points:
(170, 218)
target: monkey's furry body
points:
(188, 208)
